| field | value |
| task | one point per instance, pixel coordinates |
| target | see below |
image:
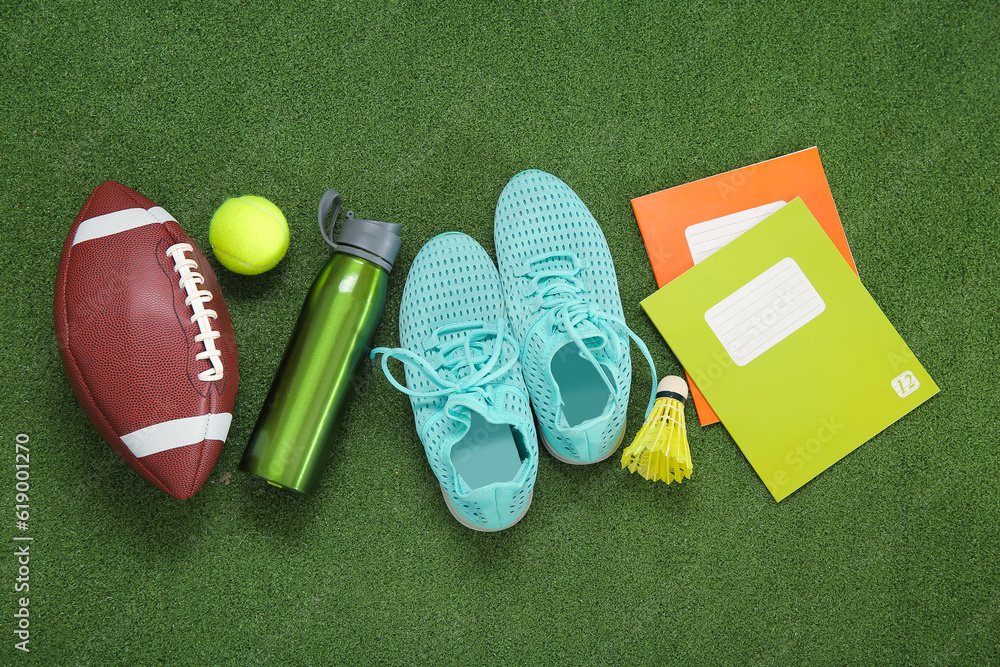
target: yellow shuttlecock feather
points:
(660, 449)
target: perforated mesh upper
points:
(537, 215)
(453, 281)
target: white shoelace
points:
(189, 281)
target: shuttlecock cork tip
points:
(673, 384)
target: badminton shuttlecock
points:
(660, 450)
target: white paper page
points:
(706, 237)
(765, 311)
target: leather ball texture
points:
(146, 338)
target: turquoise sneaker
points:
(566, 312)
(465, 385)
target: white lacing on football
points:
(190, 279)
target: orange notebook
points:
(682, 225)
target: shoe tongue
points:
(553, 337)
(460, 406)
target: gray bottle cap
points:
(377, 242)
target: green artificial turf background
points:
(419, 113)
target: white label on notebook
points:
(905, 384)
(765, 311)
(706, 237)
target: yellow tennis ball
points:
(248, 234)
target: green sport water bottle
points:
(294, 433)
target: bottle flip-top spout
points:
(375, 241)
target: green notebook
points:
(789, 348)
